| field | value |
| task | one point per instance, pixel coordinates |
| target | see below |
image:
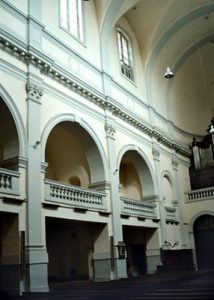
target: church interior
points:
(106, 140)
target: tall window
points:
(71, 17)
(125, 54)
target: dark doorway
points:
(138, 257)
(204, 241)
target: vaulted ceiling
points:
(175, 33)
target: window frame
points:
(80, 36)
(126, 70)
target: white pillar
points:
(179, 197)
(156, 158)
(119, 264)
(36, 254)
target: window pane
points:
(124, 50)
(73, 17)
(119, 45)
(63, 14)
(80, 19)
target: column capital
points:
(110, 130)
(175, 164)
(34, 91)
(156, 153)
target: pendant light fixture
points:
(169, 74)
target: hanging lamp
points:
(169, 74)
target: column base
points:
(120, 269)
(36, 272)
(153, 257)
(102, 266)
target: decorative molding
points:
(110, 130)
(100, 186)
(44, 166)
(34, 91)
(49, 68)
(156, 153)
(174, 164)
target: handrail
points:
(138, 208)
(9, 182)
(62, 193)
(200, 194)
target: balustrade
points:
(9, 182)
(138, 208)
(75, 196)
(200, 194)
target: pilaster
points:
(156, 158)
(34, 24)
(178, 200)
(119, 265)
(36, 254)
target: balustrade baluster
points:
(7, 181)
(73, 195)
(77, 196)
(52, 191)
(2, 181)
(64, 193)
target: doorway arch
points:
(203, 229)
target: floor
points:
(174, 285)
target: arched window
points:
(125, 54)
(71, 17)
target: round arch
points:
(196, 216)
(95, 153)
(166, 174)
(113, 12)
(17, 120)
(143, 167)
(203, 233)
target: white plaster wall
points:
(22, 6)
(89, 49)
(137, 87)
(13, 25)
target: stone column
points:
(119, 265)
(178, 200)
(102, 255)
(102, 262)
(36, 254)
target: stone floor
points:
(167, 286)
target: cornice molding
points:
(29, 55)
